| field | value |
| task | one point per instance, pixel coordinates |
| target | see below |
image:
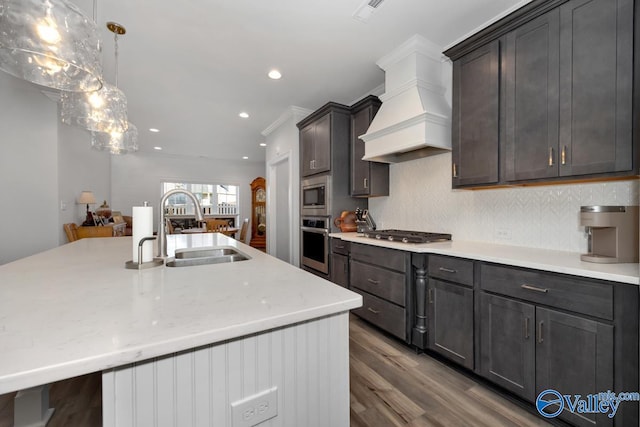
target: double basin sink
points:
(206, 255)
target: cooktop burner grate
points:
(405, 236)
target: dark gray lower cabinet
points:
(340, 270)
(450, 321)
(574, 356)
(507, 344)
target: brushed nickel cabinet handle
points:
(430, 296)
(534, 288)
(366, 183)
(372, 281)
(447, 270)
(563, 155)
(526, 328)
(550, 156)
(540, 331)
(339, 246)
(455, 171)
(373, 311)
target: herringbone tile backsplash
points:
(547, 217)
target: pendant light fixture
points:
(104, 110)
(116, 142)
(50, 43)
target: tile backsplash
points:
(546, 217)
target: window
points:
(215, 199)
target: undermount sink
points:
(203, 256)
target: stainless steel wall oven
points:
(314, 236)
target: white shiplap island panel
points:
(75, 310)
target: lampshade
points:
(86, 198)
(104, 110)
(50, 43)
(116, 142)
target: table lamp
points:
(87, 197)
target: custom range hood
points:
(414, 120)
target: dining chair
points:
(71, 231)
(170, 229)
(216, 225)
(243, 230)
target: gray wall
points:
(28, 170)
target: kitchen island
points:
(178, 346)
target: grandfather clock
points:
(258, 213)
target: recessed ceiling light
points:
(274, 74)
(157, 148)
(154, 130)
(244, 115)
(262, 144)
(245, 158)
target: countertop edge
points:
(562, 262)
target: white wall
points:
(282, 140)
(28, 170)
(80, 168)
(137, 178)
(421, 198)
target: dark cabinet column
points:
(596, 90)
(475, 132)
(419, 331)
(531, 63)
(340, 270)
(507, 340)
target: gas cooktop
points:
(405, 236)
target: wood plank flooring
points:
(390, 386)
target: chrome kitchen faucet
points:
(162, 231)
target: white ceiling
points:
(188, 68)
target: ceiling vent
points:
(365, 10)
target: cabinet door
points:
(574, 355)
(596, 72)
(531, 63)
(475, 133)
(340, 270)
(322, 144)
(507, 344)
(450, 321)
(360, 176)
(306, 149)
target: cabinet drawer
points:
(383, 257)
(453, 269)
(378, 281)
(576, 294)
(339, 246)
(383, 314)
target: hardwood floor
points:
(393, 386)
(390, 386)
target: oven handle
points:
(324, 231)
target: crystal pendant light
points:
(116, 142)
(104, 110)
(50, 43)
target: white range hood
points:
(414, 120)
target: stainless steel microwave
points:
(315, 195)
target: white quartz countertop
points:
(539, 259)
(75, 309)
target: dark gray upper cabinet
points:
(596, 86)
(530, 99)
(324, 139)
(368, 179)
(565, 99)
(476, 117)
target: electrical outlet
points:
(63, 205)
(255, 409)
(503, 233)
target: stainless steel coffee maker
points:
(612, 232)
